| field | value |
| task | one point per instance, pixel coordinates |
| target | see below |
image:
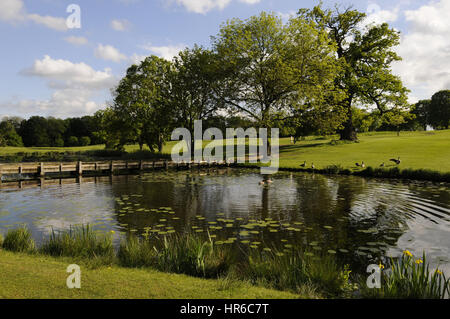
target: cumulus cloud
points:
(120, 25)
(375, 15)
(109, 53)
(76, 40)
(425, 50)
(64, 73)
(166, 52)
(203, 6)
(63, 103)
(74, 85)
(14, 11)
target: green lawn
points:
(418, 150)
(41, 277)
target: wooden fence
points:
(25, 171)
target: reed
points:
(19, 240)
(80, 242)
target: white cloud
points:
(425, 50)
(137, 58)
(120, 25)
(76, 40)
(74, 85)
(62, 103)
(110, 53)
(58, 24)
(66, 74)
(285, 16)
(166, 52)
(14, 11)
(250, 1)
(203, 6)
(377, 16)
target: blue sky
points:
(50, 70)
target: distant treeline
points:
(38, 131)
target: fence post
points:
(141, 165)
(41, 170)
(80, 168)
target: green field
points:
(417, 150)
(42, 277)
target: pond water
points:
(359, 220)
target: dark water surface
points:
(360, 220)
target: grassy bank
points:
(295, 270)
(42, 277)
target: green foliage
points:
(9, 135)
(410, 277)
(80, 242)
(85, 141)
(365, 55)
(192, 82)
(296, 269)
(439, 108)
(270, 71)
(140, 111)
(73, 141)
(186, 254)
(19, 240)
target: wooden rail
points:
(23, 171)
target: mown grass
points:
(417, 150)
(44, 277)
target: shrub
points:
(19, 240)
(85, 141)
(72, 141)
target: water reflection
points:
(362, 220)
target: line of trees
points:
(306, 76)
(323, 72)
(49, 132)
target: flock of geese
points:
(362, 164)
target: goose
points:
(303, 165)
(396, 161)
(312, 166)
(382, 164)
(360, 165)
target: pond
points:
(359, 220)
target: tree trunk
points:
(349, 132)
